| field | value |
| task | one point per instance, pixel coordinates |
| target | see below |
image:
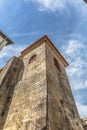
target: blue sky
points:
(65, 23)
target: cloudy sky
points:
(65, 23)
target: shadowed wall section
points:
(9, 77)
(62, 111)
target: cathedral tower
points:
(42, 98)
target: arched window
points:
(32, 59)
(57, 64)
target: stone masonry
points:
(84, 122)
(35, 93)
(9, 77)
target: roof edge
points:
(7, 38)
(40, 41)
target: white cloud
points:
(50, 4)
(78, 66)
(72, 47)
(75, 51)
(54, 5)
(8, 52)
(85, 83)
(82, 109)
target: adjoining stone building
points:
(84, 123)
(4, 40)
(35, 93)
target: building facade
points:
(84, 123)
(4, 40)
(37, 94)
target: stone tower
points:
(38, 95)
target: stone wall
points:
(84, 123)
(8, 79)
(28, 107)
(85, 127)
(62, 112)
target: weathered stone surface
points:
(8, 79)
(41, 98)
(84, 123)
(62, 112)
(28, 107)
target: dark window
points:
(61, 101)
(57, 64)
(32, 59)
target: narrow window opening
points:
(32, 59)
(61, 101)
(57, 64)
